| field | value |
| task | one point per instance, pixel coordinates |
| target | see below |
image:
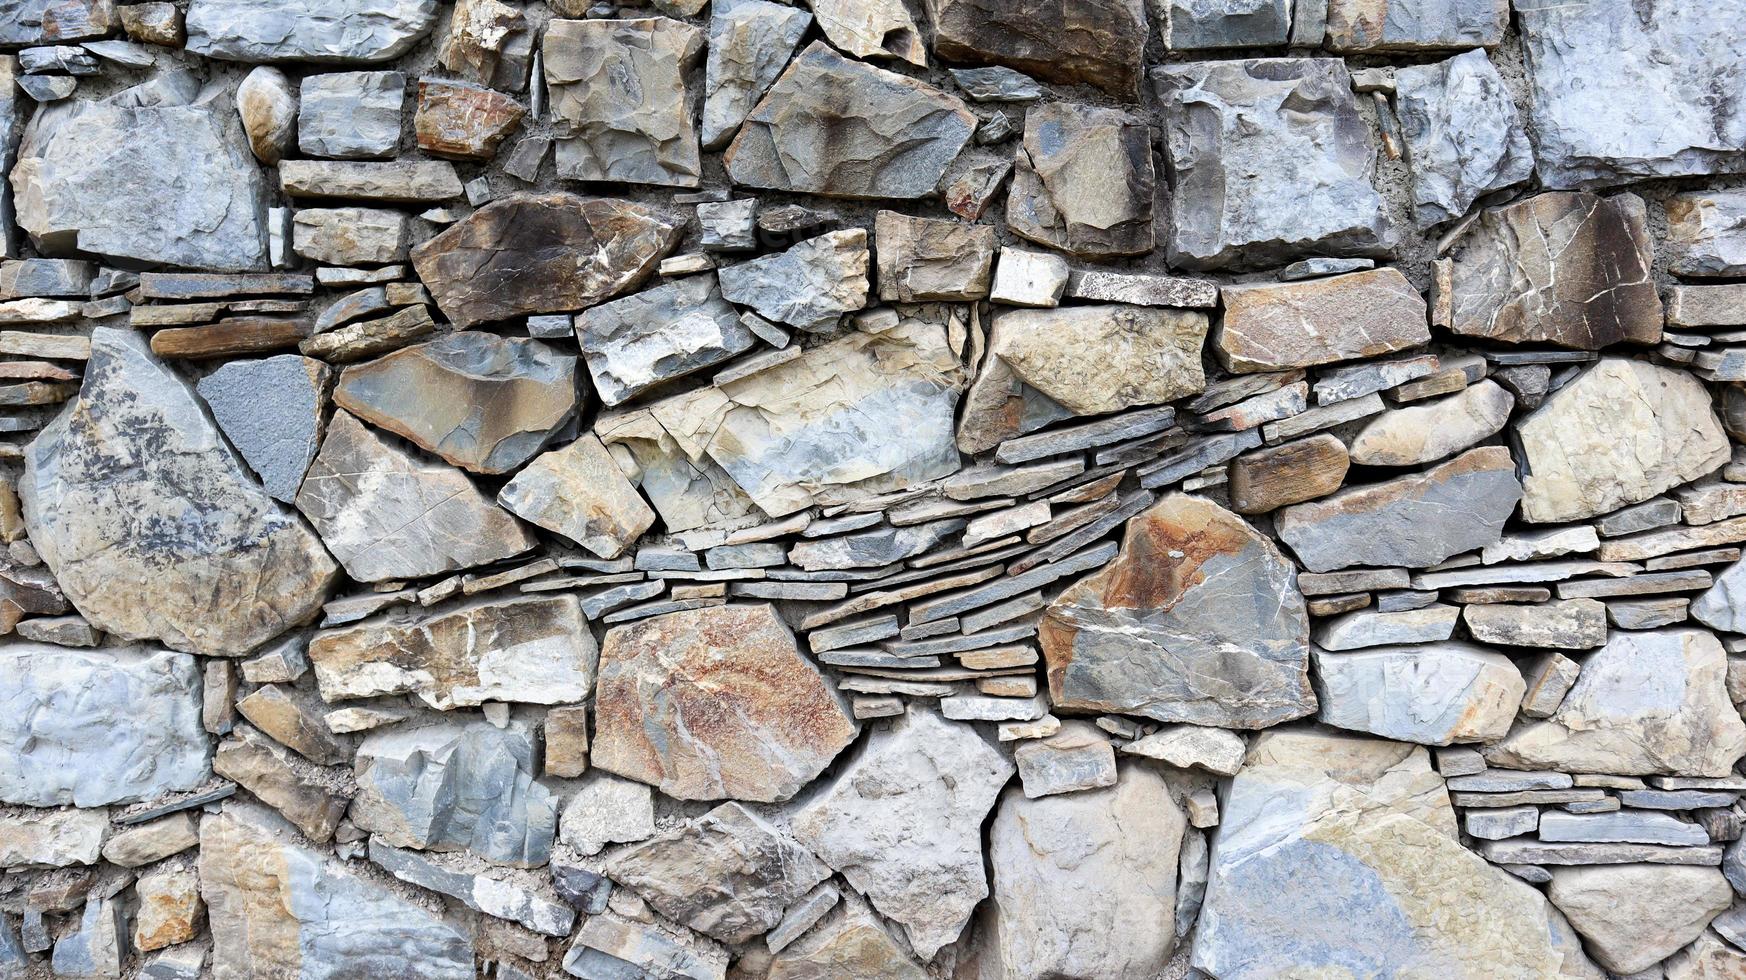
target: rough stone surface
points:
(846, 129)
(1414, 520)
(1706, 233)
(351, 115)
(151, 526)
(542, 253)
(332, 31)
(1463, 135)
(1286, 325)
(715, 703)
(635, 343)
(618, 89)
(1620, 433)
(809, 286)
(1434, 430)
(1085, 884)
(1098, 42)
(1272, 162)
(387, 514)
(1572, 269)
(607, 810)
(1155, 633)
(531, 649)
(1414, 25)
(749, 43)
(1645, 703)
(930, 259)
(271, 411)
(901, 832)
(1434, 694)
(480, 401)
(1083, 181)
(580, 492)
(1633, 916)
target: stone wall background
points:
(971, 489)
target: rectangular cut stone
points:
(1521, 851)
(397, 182)
(1269, 326)
(1658, 543)
(1415, 25)
(1141, 289)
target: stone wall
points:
(971, 489)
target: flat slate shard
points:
(1571, 269)
(151, 525)
(1415, 521)
(1464, 138)
(483, 402)
(715, 703)
(580, 492)
(386, 513)
(749, 43)
(1272, 162)
(532, 649)
(1269, 326)
(329, 31)
(1338, 855)
(1099, 42)
(1046, 365)
(275, 904)
(542, 253)
(619, 98)
(1377, 26)
(1706, 233)
(728, 874)
(271, 411)
(809, 285)
(845, 129)
(1433, 694)
(902, 821)
(1620, 433)
(1645, 703)
(93, 727)
(870, 413)
(1588, 67)
(1085, 883)
(1198, 619)
(457, 785)
(635, 343)
(168, 181)
(1083, 181)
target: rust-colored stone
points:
(1288, 474)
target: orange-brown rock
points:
(1288, 474)
(715, 703)
(462, 121)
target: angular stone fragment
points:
(167, 181)
(1644, 703)
(1356, 838)
(98, 946)
(151, 842)
(1192, 26)
(1272, 161)
(1414, 25)
(1572, 269)
(1416, 521)
(533, 649)
(454, 785)
(845, 129)
(542, 253)
(1723, 605)
(902, 822)
(728, 874)
(51, 838)
(607, 810)
(268, 108)
(349, 236)
(502, 898)
(149, 523)
(293, 718)
(930, 259)
(635, 343)
(271, 411)
(749, 43)
(618, 93)
(462, 121)
(869, 413)
(331, 31)
(170, 909)
(1429, 431)
(1100, 42)
(1632, 826)
(1045, 365)
(480, 401)
(1587, 70)
(387, 514)
(1287, 474)
(1435, 694)
(95, 727)
(849, 942)
(1085, 885)
(612, 946)
(274, 902)
(1075, 759)
(715, 703)
(1083, 181)
(313, 799)
(396, 182)
(1198, 620)
(351, 115)
(580, 492)
(1571, 624)
(1192, 747)
(1373, 628)
(1621, 432)
(1633, 916)
(1463, 136)
(1271, 326)
(480, 36)
(1706, 233)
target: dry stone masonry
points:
(861, 489)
